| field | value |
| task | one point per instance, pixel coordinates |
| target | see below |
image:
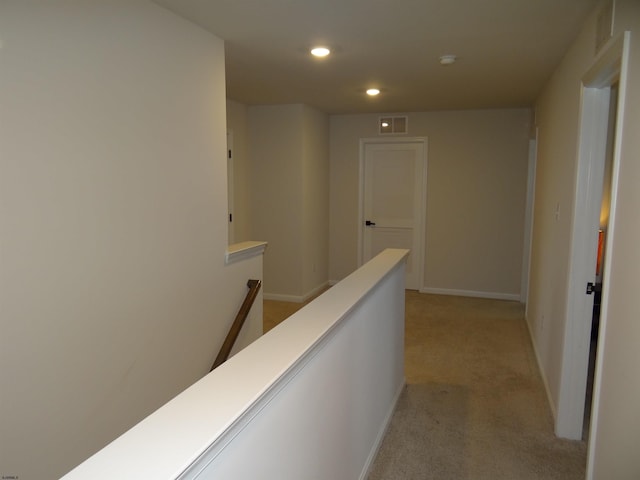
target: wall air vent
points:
(393, 125)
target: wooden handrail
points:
(234, 331)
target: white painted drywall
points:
(288, 180)
(113, 290)
(275, 143)
(476, 196)
(238, 273)
(557, 119)
(310, 399)
(315, 198)
(237, 122)
(616, 423)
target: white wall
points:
(275, 143)
(113, 289)
(475, 206)
(557, 116)
(237, 122)
(615, 422)
(476, 194)
(310, 399)
(289, 197)
(315, 193)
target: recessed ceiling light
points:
(320, 51)
(447, 59)
(373, 92)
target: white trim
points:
(528, 219)
(594, 117)
(541, 369)
(298, 298)
(183, 437)
(283, 298)
(621, 47)
(243, 250)
(423, 202)
(471, 293)
(583, 250)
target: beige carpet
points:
(474, 406)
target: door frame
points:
(528, 220)
(231, 232)
(611, 65)
(423, 198)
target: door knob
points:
(369, 223)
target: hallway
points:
(474, 406)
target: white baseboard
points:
(471, 293)
(541, 370)
(316, 291)
(296, 298)
(283, 298)
(381, 433)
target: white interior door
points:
(393, 201)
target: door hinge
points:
(230, 217)
(590, 288)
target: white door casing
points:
(230, 188)
(393, 200)
(610, 66)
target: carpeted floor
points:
(474, 406)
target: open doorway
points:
(609, 70)
(605, 211)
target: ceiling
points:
(506, 50)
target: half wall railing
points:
(309, 399)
